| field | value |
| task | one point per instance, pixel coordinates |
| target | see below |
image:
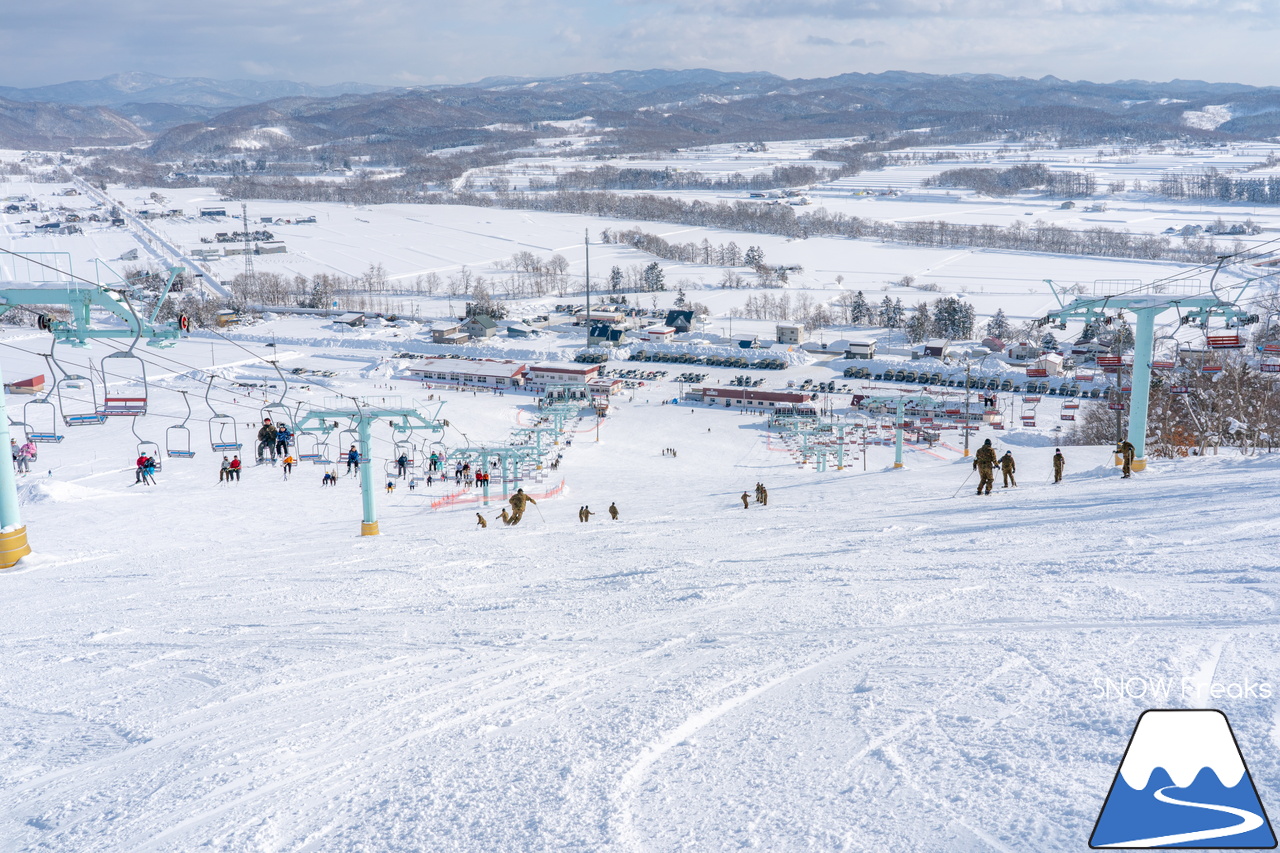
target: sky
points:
(403, 42)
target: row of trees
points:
(722, 254)
(612, 178)
(1209, 183)
(1003, 182)
(948, 317)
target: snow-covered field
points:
(877, 660)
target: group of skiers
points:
(762, 497)
(585, 513)
(985, 463)
(230, 470)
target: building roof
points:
(468, 367)
(756, 396)
(484, 321)
(570, 369)
(680, 318)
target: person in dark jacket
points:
(266, 437)
(353, 460)
(1059, 462)
(984, 462)
(1007, 467)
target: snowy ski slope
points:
(877, 660)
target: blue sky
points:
(400, 42)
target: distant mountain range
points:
(632, 109)
(136, 87)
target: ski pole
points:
(966, 479)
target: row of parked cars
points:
(978, 383)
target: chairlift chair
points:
(344, 445)
(129, 405)
(41, 422)
(223, 437)
(72, 408)
(177, 438)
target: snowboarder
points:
(746, 501)
(1126, 451)
(613, 511)
(234, 470)
(518, 502)
(266, 441)
(224, 472)
(480, 520)
(984, 462)
(1059, 462)
(353, 460)
(1007, 468)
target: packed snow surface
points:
(877, 660)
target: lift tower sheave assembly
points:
(1146, 302)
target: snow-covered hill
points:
(877, 660)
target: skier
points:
(224, 472)
(391, 486)
(613, 511)
(587, 513)
(518, 502)
(13, 451)
(353, 460)
(328, 479)
(1126, 450)
(1059, 462)
(283, 437)
(149, 471)
(434, 464)
(581, 510)
(141, 463)
(266, 441)
(746, 501)
(506, 517)
(235, 468)
(1007, 468)
(762, 494)
(480, 520)
(984, 462)
(288, 465)
(26, 453)
(402, 465)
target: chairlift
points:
(122, 405)
(1068, 416)
(177, 438)
(223, 437)
(1270, 365)
(40, 418)
(344, 445)
(1166, 363)
(272, 411)
(145, 447)
(72, 408)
